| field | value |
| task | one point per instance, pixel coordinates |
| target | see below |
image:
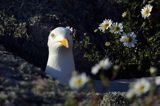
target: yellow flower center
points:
(116, 28)
(128, 39)
(78, 82)
(105, 26)
(141, 88)
(146, 12)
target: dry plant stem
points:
(93, 93)
(94, 98)
(138, 102)
(115, 72)
(151, 93)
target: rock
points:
(22, 83)
(114, 99)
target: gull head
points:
(60, 37)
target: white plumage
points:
(60, 63)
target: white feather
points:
(60, 63)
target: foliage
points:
(146, 51)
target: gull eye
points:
(53, 35)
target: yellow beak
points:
(64, 42)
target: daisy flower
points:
(129, 39)
(103, 64)
(78, 81)
(146, 11)
(116, 28)
(105, 25)
(141, 86)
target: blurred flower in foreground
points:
(146, 11)
(105, 25)
(130, 94)
(78, 81)
(103, 64)
(128, 39)
(157, 81)
(116, 28)
(141, 86)
(153, 70)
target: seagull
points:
(60, 64)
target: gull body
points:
(60, 64)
